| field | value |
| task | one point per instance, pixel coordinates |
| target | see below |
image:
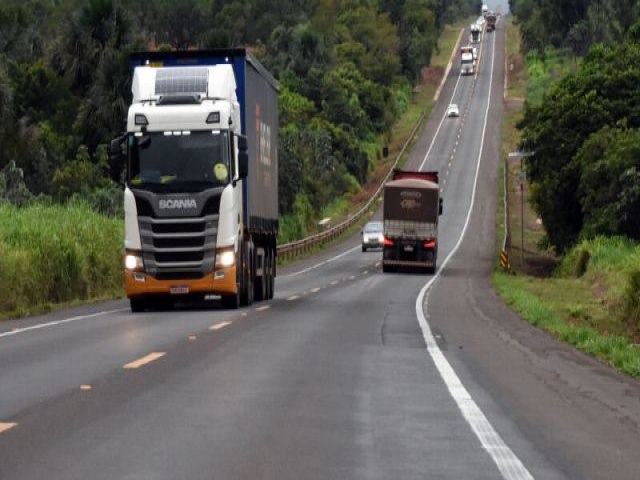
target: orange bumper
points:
(140, 283)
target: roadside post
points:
(523, 177)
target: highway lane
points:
(332, 380)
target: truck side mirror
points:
(116, 158)
(243, 157)
(440, 206)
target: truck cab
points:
(200, 195)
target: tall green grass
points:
(54, 253)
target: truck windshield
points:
(179, 161)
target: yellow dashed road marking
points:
(6, 426)
(144, 360)
(220, 325)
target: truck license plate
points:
(179, 290)
(408, 248)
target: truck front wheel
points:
(138, 304)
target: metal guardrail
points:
(292, 249)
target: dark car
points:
(372, 236)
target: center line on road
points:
(6, 426)
(144, 360)
(220, 325)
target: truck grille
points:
(174, 246)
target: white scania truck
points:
(201, 190)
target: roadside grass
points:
(51, 254)
(516, 68)
(590, 298)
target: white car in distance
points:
(453, 110)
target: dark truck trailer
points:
(411, 208)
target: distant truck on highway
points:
(411, 208)
(475, 33)
(491, 19)
(468, 55)
(201, 193)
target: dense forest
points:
(346, 68)
(585, 173)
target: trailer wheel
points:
(248, 273)
(260, 286)
(271, 268)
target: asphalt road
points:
(348, 373)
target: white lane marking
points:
(333, 259)
(220, 325)
(293, 297)
(315, 289)
(507, 462)
(16, 331)
(263, 308)
(145, 360)
(439, 126)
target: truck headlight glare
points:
(226, 258)
(132, 262)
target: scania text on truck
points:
(411, 207)
(201, 189)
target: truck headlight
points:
(225, 258)
(133, 262)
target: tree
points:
(604, 91)
(609, 188)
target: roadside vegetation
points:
(579, 274)
(55, 254)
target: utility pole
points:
(523, 178)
